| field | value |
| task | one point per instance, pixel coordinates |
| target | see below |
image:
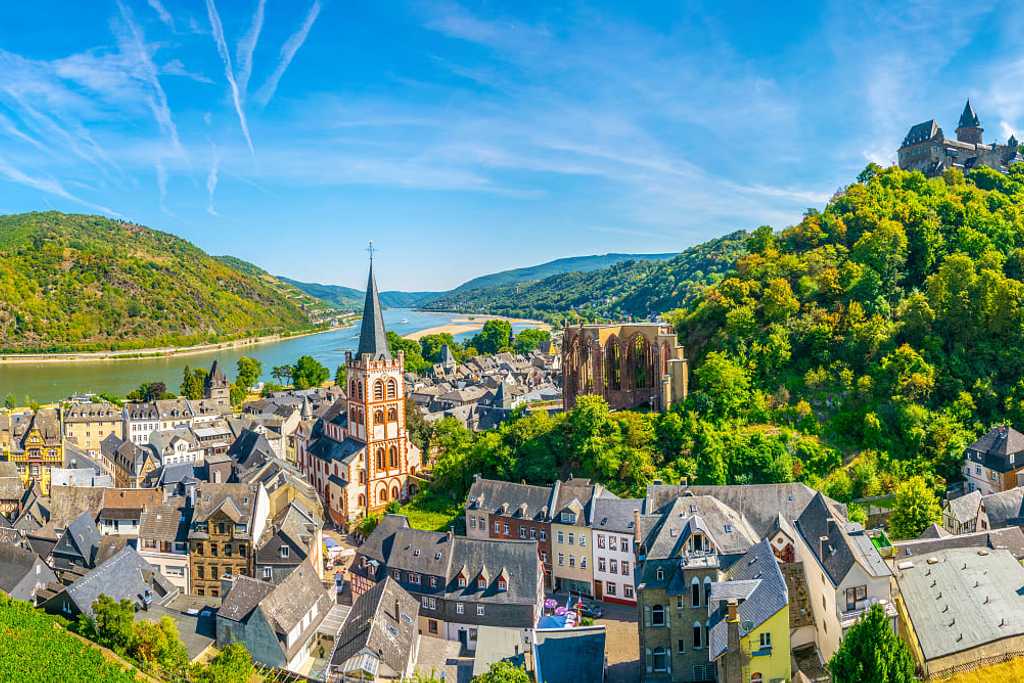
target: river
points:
(46, 382)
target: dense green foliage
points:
(36, 649)
(71, 282)
(629, 287)
(150, 391)
(308, 372)
(623, 450)
(233, 664)
(193, 382)
(915, 507)
(529, 340)
(495, 337)
(352, 299)
(890, 323)
(503, 672)
(871, 651)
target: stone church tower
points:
(217, 388)
(376, 410)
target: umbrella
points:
(550, 603)
(560, 611)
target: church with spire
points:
(925, 148)
(358, 456)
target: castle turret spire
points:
(969, 129)
(373, 338)
(969, 119)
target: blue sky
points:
(465, 138)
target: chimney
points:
(397, 616)
(636, 527)
(476, 477)
(822, 540)
(451, 534)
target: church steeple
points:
(373, 338)
(969, 129)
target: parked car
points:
(592, 610)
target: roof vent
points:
(933, 560)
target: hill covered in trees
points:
(352, 299)
(71, 282)
(859, 351)
(636, 286)
(890, 324)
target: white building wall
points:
(605, 557)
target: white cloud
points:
(48, 185)
(211, 180)
(222, 49)
(247, 45)
(288, 51)
(162, 12)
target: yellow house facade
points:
(571, 539)
(87, 424)
(33, 442)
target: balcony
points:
(699, 559)
(849, 617)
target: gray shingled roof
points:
(15, 563)
(998, 448)
(372, 628)
(1010, 538)
(616, 514)
(969, 118)
(964, 507)
(166, 522)
(245, 595)
(921, 132)
(575, 656)
(836, 543)
(1004, 508)
(125, 575)
(373, 338)
(502, 497)
(763, 601)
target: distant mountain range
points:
(347, 297)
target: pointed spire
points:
(969, 119)
(373, 338)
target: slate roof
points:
(126, 454)
(91, 412)
(289, 601)
(969, 118)
(377, 545)
(250, 449)
(616, 514)
(1004, 508)
(760, 504)
(125, 575)
(965, 507)
(726, 528)
(327, 449)
(81, 539)
(921, 132)
(373, 338)
(244, 596)
(15, 563)
(997, 449)
(762, 602)
(372, 628)
(964, 600)
(507, 498)
(572, 656)
(844, 543)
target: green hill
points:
(72, 282)
(891, 323)
(637, 287)
(495, 284)
(37, 648)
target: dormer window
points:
(568, 517)
(502, 585)
(659, 574)
(481, 583)
(462, 581)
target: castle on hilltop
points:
(927, 149)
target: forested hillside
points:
(633, 288)
(72, 282)
(891, 324)
(352, 299)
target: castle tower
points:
(217, 388)
(376, 409)
(969, 129)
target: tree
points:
(150, 391)
(113, 623)
(237, 394)
(724, 386)
(193, 383)
(914, 508)
(494, 337)
(503, 672)
(871, 651)
(248, 372)
(282, 373)
(530, 339)
(308, 373)
(233, 664)
(341, 376)
(431, 344)
(158, 645)
(10, 402)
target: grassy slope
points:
(38, 649)
(72, 282)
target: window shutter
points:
(668, 617)
(647, 616)
(650, 665)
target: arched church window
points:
(378, 417)
(392, 414)
(378, 390)
(380, 458)
(392, 388)
(393, 456)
